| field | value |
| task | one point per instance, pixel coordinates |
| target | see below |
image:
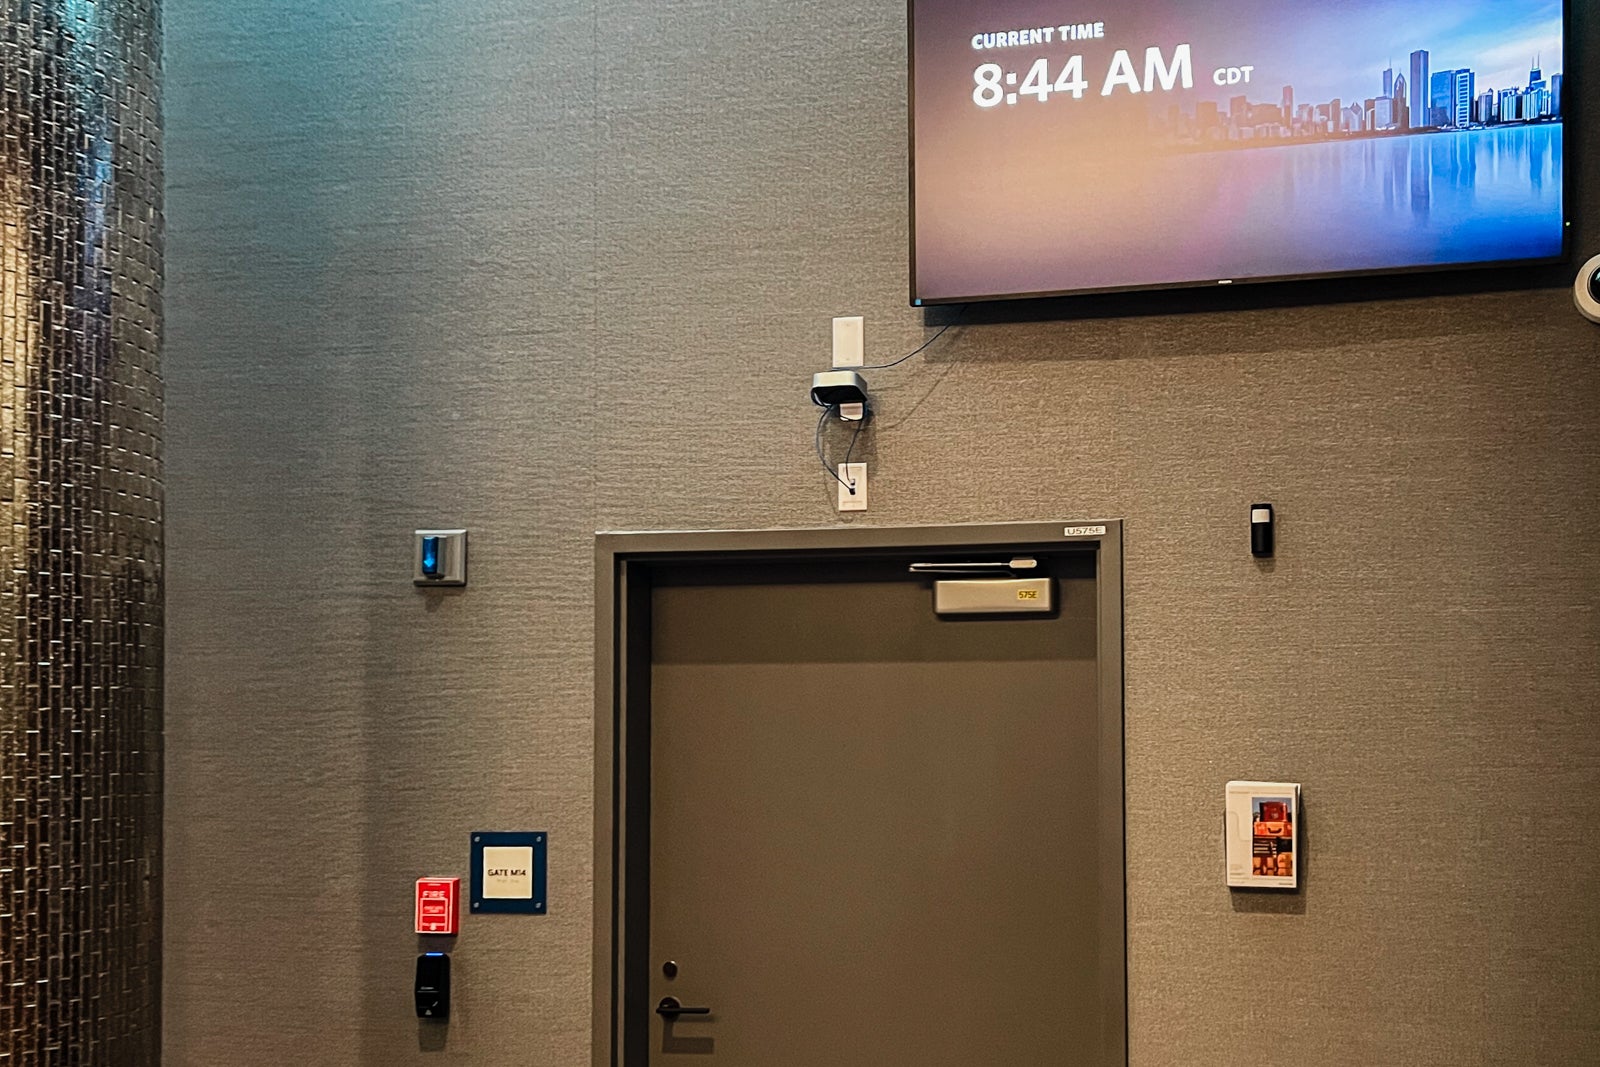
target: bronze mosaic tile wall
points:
(80, 532)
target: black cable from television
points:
(829, 410)
(895, 363)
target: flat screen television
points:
(1067, 146)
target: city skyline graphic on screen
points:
(1070, 147)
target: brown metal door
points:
(875, 834)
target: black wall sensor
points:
(1260, 530)
(433, 986)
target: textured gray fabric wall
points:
(439, 263)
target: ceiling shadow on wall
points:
(1272, 317)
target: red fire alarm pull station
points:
(438, 905)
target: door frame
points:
(623, 561)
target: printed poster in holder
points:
(1262, 826)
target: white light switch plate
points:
(855, 474)
(849, 341)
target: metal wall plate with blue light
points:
(508, 872)
(439, 557)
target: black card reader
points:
(433, 986)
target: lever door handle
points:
(671, 1009)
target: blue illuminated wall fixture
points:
(439, 557)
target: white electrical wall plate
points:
(849, 341)
(1261, 824)
(852, 476)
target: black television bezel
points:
(1465, 269)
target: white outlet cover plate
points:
(853, 474)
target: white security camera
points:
(1586, 290)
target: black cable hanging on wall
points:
(962, 310)
(861, 422)
(866, 411)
